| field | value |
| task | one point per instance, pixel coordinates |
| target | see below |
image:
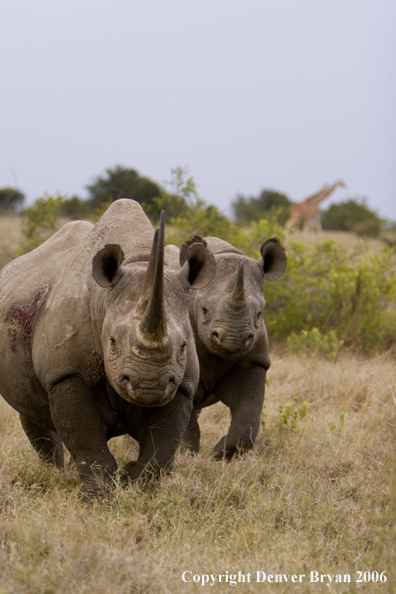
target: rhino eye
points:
(112, 343)
(204, 311)
(259, 314)
(183, 347)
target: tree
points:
(122, 182)
(75, 208)
(269, 202)
(352, 215)
(11, 200)
(196, 217)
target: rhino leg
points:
(192, 435)
(75, 414)
(47, 443)
(159, 437)
(242, 390)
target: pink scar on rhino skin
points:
(23, 319)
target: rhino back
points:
(219, 246)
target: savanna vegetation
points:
(318, 493)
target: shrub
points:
(334, 289)
(313, 341)
(40, 221)
(75, 208)
(198, 217)
(268, 203)
(291, 413)
(353, 216)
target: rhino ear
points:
(186, 246)
(273, 261)
(199, 265)
(106, 265)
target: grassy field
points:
(315, 498)
(317, 494)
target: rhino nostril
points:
(125, 379)
(170, 386)
(125, 382)
(249, 340)
(215, 337)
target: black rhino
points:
(231, 338)
(96, 342)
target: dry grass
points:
(10, 237)
(344, 238)
(305, 499)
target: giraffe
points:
(308, 209)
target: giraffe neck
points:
(325, 192)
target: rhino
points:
(96, 342)
(231, 338)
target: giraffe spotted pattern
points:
(308, 209)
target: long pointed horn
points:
(237, 299)
(153, 328)
(148, 281)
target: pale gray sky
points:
(251, 94)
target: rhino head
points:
(147, 340)
(228, 312)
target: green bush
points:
(354, 216)
(335, 289)
(268, 203)
(205, 220)
(40, 221)
(75, 208)
(313, 341)
(291, 413)
(197, 217)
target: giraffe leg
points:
(289, 225)
(318, 225)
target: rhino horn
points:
(237, 298)
(152, 328)
(148, 282)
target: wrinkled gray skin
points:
(231, 339)
(96, 342)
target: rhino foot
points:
(226, 449)
(47, 443)
(189, 449)
(97, 480)
(192, 435)
(136, 470)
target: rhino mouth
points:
(147, 396)
(229, 346)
